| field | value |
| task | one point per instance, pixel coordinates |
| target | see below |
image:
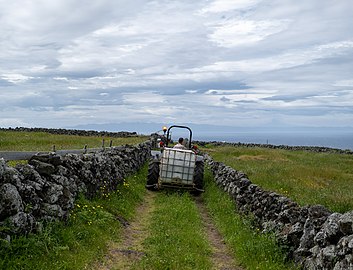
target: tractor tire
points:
(198, 177)
(153, 174)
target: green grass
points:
(177, 239)
(41, 141)
(305, 177)
(83, 240)
(251, 249)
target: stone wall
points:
(77, 132)
(317, 149)
(316, 238)
(45, 189)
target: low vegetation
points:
(305, 177)
(41, 141)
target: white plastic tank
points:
(177, 166)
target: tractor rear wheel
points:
(153, 174)
(198, 176)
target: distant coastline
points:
(338, 139)
(334, 137)
(331, 140)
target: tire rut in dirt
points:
(221, 256)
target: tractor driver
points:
(180, 145)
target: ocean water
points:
(325, 139)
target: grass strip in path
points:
(177, 239)
(252, 249)
(221, 256)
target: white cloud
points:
(247, 61)
(348, 83)
(289, 59)
(15, 78)
(237, 32)
(218, 6)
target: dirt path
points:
(221, 256)
(124, 254)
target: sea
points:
(323, 139)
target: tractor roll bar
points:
(176, 126)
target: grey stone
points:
(323, 259)
(61, 170)
(345, 264)
(55, 160)
(67, 199)
(289, 215)
(22, 222)
(318, 211)
(301, 254)
(11, 175)
(42, 167)
(310, 264)
(272, 226)
(52, 210)
(307, 239)
(10, 202)
(329, 255)
(295, 233)
(330, 232)
(59, 179)
(2, 167)
(43, 157)
(345, 245)
(346, 223)
(31, 176)
(53, 193)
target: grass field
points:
(41, 141)
(305, 177)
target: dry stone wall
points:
(77, 132)
(316, 238)
(45, 189)
(317, 149)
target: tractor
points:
(176, 168)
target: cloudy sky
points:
(231, 62)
